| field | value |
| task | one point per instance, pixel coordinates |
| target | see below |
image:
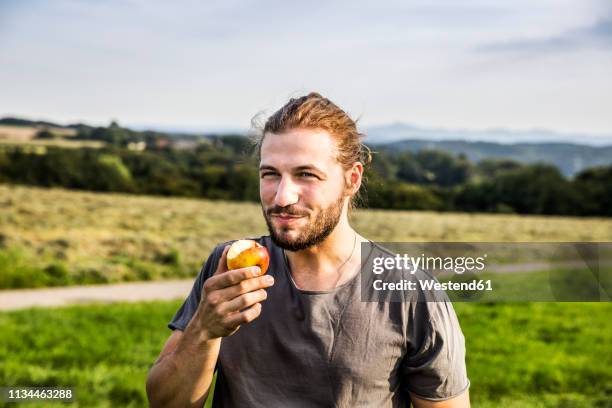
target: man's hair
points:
(314, 111)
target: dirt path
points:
(122, 292)
(168, 290)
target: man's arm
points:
(435, 372)
(460, 401)
(182, 374)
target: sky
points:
(473, 64)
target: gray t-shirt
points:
(330, 349)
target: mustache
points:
(277, 210)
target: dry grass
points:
(28, 132)
(17, 132)
(40, 145)
(430, 226)
(43, 143)
(23, 137)
(117, 234)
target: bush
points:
(57, 274)
(17, 272)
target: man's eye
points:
(308, 174)
(267, 174)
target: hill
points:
(571, 153)
(570, 158)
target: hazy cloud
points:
(597, 35)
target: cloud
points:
(598, 35)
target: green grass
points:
(19, 269)
(519, 355)
(563, 285)
(103, 351)
(539, 354)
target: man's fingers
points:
(222, 265)
(245, 286)
(229, 278)
(246, 316)
(242, 302)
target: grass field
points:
(59, 237)
(520, 355)
(26, 133)
(23, 137)
(39, 145)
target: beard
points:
(312, 234)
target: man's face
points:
(301, 187)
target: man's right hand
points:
(182, 374)
(231, 298)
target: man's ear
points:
(354, 176)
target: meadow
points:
(28, 133)
(24, 137)
(519, 354)
(51, 237)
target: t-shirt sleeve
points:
(184, 314)
(434, 366)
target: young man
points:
(300, 336)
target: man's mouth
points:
(286, 218)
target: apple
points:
(246, 252)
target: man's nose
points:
(286, 193)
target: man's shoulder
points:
(377, 248)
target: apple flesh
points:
(245, 252)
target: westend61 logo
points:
(412, 264)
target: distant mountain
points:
(571, 152)
(401, 131)
(568, 157)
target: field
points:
(522, 355)
(59, 237)
(25, 133)
(519, 355)
(39, 145)
(23, 137)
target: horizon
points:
(434, 134)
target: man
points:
(300, 336)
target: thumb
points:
(222, 265)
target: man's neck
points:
(329, 264)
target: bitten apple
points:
(246, 252)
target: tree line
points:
(220, 167)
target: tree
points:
(446, 169)
(531, 189)
(45, 133)
(109, 173)
(594, 189)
